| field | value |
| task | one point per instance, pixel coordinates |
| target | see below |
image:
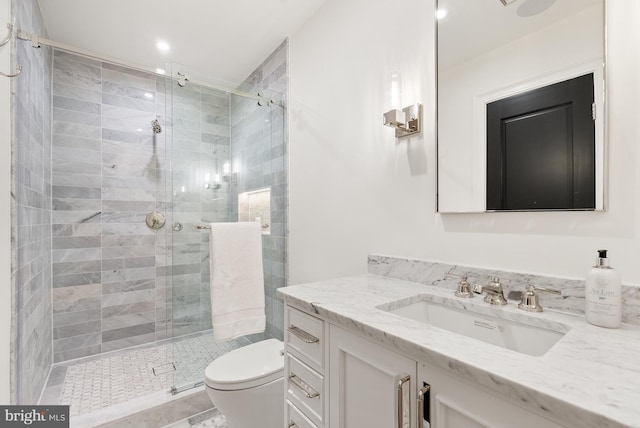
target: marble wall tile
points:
(77, 93)
(105, 181)
(73, 318)
(127, 309)
(79, 304)
(76, 254)
(128, 342)
(31, 204)
(75, 292)
(123, 321)
(124, 286)
(73, 342)
(77, 267)
(71, 354)
(128, 332)
(76, 329)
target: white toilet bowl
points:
(247, 385)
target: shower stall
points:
(117, 175)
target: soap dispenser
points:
(603, 294)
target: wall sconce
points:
(407, 121)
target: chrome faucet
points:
(495, 295)
(464, 288)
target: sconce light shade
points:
(395, 118)
(407, 121)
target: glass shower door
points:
(220, 143)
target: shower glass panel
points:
(228, 162)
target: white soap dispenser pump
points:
(603, 294)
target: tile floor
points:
(94, 383)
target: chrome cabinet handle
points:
(421, 395)
(399, 391)
(302, 335)
(303, 386)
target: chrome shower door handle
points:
(400, 400)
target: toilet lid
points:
(246, 367)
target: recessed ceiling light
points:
(162, 46)
(160, 71)
(441, 13)
(148, 95)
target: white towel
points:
(237, 280)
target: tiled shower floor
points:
(94, 383)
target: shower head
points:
(155, 125)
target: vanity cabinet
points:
(337, 379)
(456, 403)
(369, 386)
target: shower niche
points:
(256, 206)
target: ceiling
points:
(226, 39)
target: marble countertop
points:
(591, 377)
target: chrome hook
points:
(18, 70)
(5, 41)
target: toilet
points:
(247, 385)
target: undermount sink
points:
(481, 323)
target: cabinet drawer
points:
(305, 336)
(305, 389)
(296, 419)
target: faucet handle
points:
(530, 301)
(464, 288)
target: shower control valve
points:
(155, 220)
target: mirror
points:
(498, 51)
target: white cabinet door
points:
(455, 403)
(363, 383)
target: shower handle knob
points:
(155, 220)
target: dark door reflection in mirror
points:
(541, 149)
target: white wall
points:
(5, 207)
(355, 191)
